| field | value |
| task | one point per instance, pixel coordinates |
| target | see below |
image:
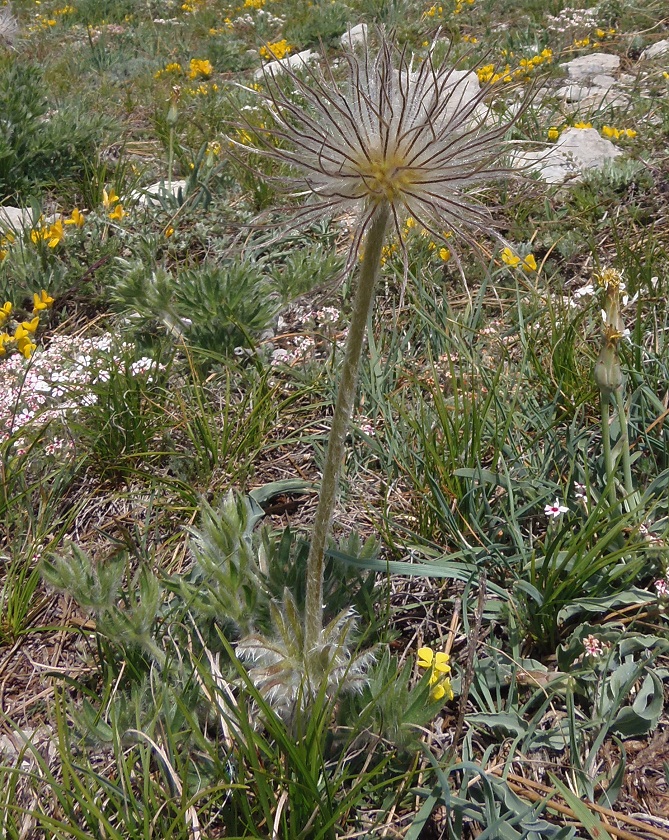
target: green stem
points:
(362, 305)
(632, 496)
(606, 441)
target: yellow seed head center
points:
(383, 177)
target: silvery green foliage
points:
(124, 615)
(94, 586)
(228, 582)
(290, 677)
(215, 306)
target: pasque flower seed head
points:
(416, 138)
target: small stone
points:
(656, 50)
(586, 66)
(356, 36)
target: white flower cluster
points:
(572, 21)
(56, 381)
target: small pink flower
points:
(662, 587)
(555, 510)
(593, 647)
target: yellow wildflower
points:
(117, 213)
(200, 68)
(26, 346)
(279, 49)
(76, 218)
(109, 198)
(54, 234)
(37, 235)
(443, 690)
(41, 301)
(5, 339)
(26, 328)
(582, 125)
(427, 658)
(169, 231)
(5, 312)
(444, 254)
(553, 133)
(529, 263)
(439, 680)
(509, 257)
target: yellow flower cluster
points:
(192, 5)
(434, 11)
(460, 4)
(254, 4)
(54, 233)
(200, 68)
(488, 74)
(227, 26)
(437, 663)
(527, 263)
(202, 90)
(25, 330)
(617, 133)
(51, 234)
(172, 69)
(279, 49)
(112, 204)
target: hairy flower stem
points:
(364, 298)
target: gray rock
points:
(15, 219)
(356, 36)
(588, 66)
(656, 50)
(576, 150)
(150, 196)
(290, 62)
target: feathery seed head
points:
(418, 139)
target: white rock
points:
(603, 80)
(290, 62)
(150, 196)
(356, 36)
(587, 66)
(576, 150)
(15, 219)
(656, 50)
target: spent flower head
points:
(416, 137)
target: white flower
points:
(580, 491)
(555, 510)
